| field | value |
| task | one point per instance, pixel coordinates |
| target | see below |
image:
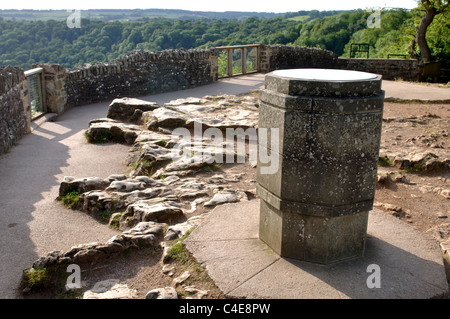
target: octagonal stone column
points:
(315, 206)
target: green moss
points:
(71, 294)
(36, 279)
(178, 252)
(70, 200)
(384, 161)
(114, 223)
(105, 137)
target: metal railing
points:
(238, 59)
(402, 56)
(359, 48)
(35, 78)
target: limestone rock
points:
(180, 279)
(95, 202)
(125, 186)
(393, 209)
(110, 289)
(186, 101)
(221, 198)
(124, 109)
(144, 234)
(148, 211)
(194, 293)
(441, 232)
(81, 185)
(162, 293)
(179, 230)
(164, 117)
(445, 193)
(108, 130)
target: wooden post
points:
(244, 60)
(230, 62)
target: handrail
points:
(35, 78)
(238, 46)
(244, 68)
(33, 72)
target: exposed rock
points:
(116, 177)
(181, 278)
(445, 193)
(81, 185)
(392, 177)
(168, 270)
(108, 130)
(149, 211)
(127, 109)
(394, 210)
(164, 117)
(149, 158)
(110, 289)
(185, 101)
(144, 234)
(95, 202)
(125, 186)
(440, 232)
(419, 162)
(221, 198)
(194, 293)
(162, 293)
(179, 230)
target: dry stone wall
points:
(141, 73)
(275, 57)
(391, 69)
(14, 110)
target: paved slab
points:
(242, 266)
(414, 92)
(234, 85)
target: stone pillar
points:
(55, 92)
(315, 206)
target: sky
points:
(210, 5)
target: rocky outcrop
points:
(129, 109)
(167, 194)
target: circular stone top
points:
(324, 83)
(328, 75)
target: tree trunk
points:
(412, 49)
(421, 40)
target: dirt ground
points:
(421, 199)
(422, 196)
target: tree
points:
(431, 8)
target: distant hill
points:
(129, 15)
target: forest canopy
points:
(27, 42)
